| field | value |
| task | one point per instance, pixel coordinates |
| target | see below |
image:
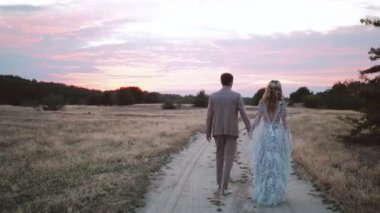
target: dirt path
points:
(187, 184)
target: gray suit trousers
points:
(225, 153)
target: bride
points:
(272, 148)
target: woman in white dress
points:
(271, 147)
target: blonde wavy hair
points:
(272, 95)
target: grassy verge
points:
(350, 174)
(86, 158)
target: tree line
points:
(18, 91)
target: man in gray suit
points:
(222, 123)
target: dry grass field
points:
(94, 159)
(348, 173)
(86, 158)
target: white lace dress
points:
(271, 142)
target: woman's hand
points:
(250, 132)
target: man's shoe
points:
(226, 192)
(218, 192)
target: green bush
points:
(201, 100)
(314, 101)
(247, 101)
(299, 95)
(171, 105)
(152, 97)
(257, 97)
(53, 103)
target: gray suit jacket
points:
(222, 114)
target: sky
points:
(183, 46)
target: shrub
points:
(314, 101)
(201, 100)
(257, 97)
(152, 97)
(247, 101)
(366, 129)
(53, 103)
(171, 105)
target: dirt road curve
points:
(187, 184)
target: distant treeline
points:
(343, 95)
(18, 91)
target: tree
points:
(124, 97)
(247, 101)
(342, 96)
(137, 94)
(152, 97)
(374, 21)
(299, 95)
(188, 99)
(374, 54)
(201, 100)
(368, 127)
(257, 97)
(106, 98)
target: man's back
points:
(222, 118)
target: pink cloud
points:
(81, 56)
(12, 40)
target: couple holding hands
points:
(269, 135)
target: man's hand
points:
(250, 133)
(208, 138)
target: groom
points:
(222, 122)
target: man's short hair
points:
(226, 79)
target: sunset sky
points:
(182, 46)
